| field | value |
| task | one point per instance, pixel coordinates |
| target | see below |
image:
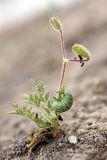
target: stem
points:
(78, 60)
(62, 74)
(45, 115)
(42, 136)
(64, 59)
(62, 43)
(37, 138)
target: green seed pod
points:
(55, 23)
(64, 105)
(80, 50)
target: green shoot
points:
(39, 107)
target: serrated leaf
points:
(43, 117)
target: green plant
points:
(44, 111)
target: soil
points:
(87, 119)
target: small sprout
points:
(72, 140)
(55, 23)
(80, 50)
(39, 111)
(44, 111)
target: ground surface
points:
(87, 118)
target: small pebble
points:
(72, 139)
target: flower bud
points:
(80, 50)
(55, 23)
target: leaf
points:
(46, 96)
(49, 104)
(42, 122)
(47, 110)
(39, 86)
(44, 116)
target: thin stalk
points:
(48, 117)
(62, 74)
(45, 115)
(64, 57)
(78, 60)
(65, 61)
(62, 44)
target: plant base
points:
(41, 136)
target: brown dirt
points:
(87, 120)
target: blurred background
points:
(29, 48)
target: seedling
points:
(44, 111)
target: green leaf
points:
(44, 117)
(46, 96)
(47, 110)
(39, 85)
(49, 104)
